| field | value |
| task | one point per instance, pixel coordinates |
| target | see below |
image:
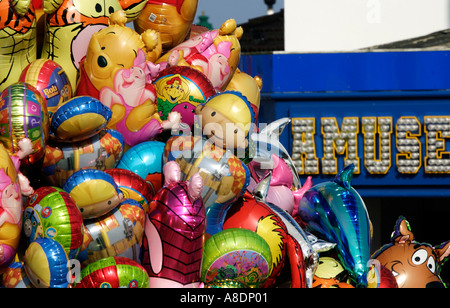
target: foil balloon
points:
(78, 119)
(249, 86)
(115, 48)
(133, 186)
(70, 25)
(47, 264)
(174, 231)
(173, 19)
(256, 216)
(23, 114)
(117, 233)
(94, 192)
(146, 160)
(214, 53)
(52, 213)
(101, 151)
(238, 254)
(10, 209)
(113, 272)
(225, 177)
(331, 274)
(181, 89)
(15, 277)
(225, 284)
(49, 78)
(18, 37)
(413, 264)
(335, 212)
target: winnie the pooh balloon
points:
(119, 69)
(71, 23)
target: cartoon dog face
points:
(414, 265)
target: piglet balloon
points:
(174, 230)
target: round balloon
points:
(238, 254)
(146, 160)
(52, 213)
(94, 192)
(47, 264)
(50, 79)
(181, 89)
(331, 274)
(117, 233)
(225, 284)
(15, 277)
(23, 114)
(79, 118)
(10, 209)
(379, 277)
(172, 19)
(113, 272)
(101, 151)
(133, 186)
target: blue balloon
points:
(144, 158)
(334, 211)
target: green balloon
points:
(237, 254)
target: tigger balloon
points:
(17, 38)
(71, 23)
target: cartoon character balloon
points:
(101, 151)
(238, 254)
(11, 181)
(78, 119)
(70, 25)
(331, 274)
(174, 230)
(18, 40)
(116, 233)
(113, 272)
(94, 192)
(413, 264)
(23, 114)
(335, 211)
(47, 264)
(182, 89)
(15, 277)
(52, 213)
(49, 78)
(172, 19)
(214, 53)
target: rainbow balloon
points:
(52, 213)
(23, 114)
(113, 272)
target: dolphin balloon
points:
(334, 211)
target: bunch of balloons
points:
(132, 158)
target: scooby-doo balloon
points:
(17, 38)
(71, 23)
(214, 53)
(171, 18)
(414, 264)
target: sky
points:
(240, 10)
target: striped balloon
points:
(50, 79)
(52, 213)
(113, 272)
(23, 114)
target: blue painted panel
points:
(392, 84)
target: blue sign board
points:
(388, 113)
